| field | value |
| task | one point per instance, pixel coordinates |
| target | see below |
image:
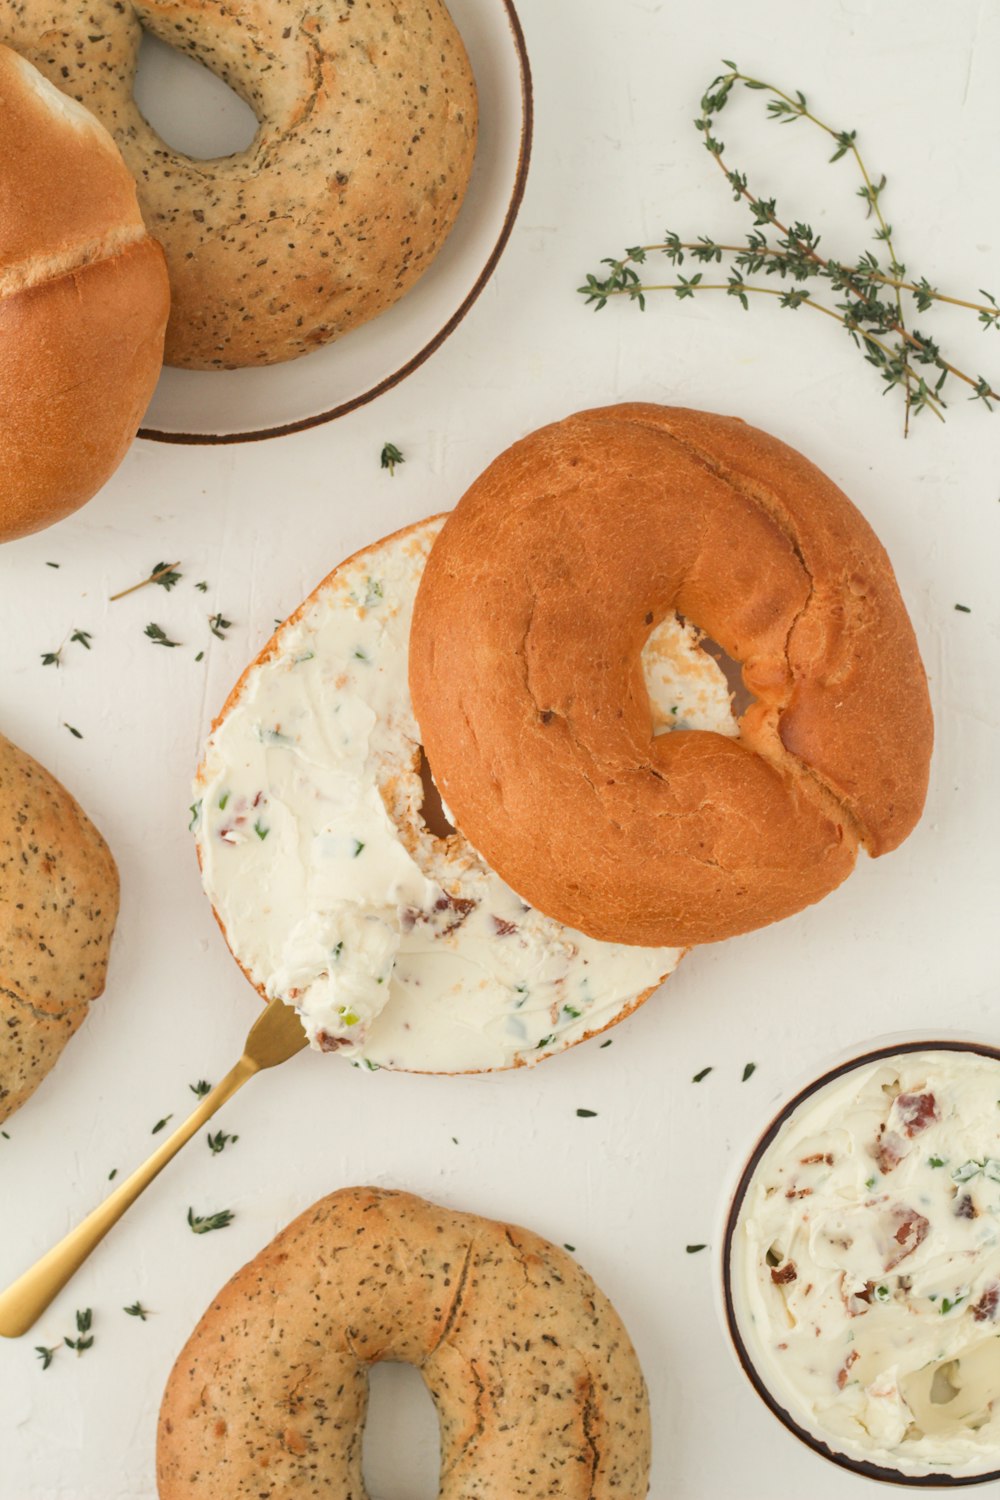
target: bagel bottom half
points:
(538, 1390)
(399, 947)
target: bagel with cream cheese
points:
(398, 945)
(537, 1387)
(527, 682)
(367, 130)
(83, 304)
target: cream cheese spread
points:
(398, 948)
(865, 1264)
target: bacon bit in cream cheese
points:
(882, 1192)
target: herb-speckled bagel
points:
(58, 904)
(367, 112)
(537, 1387)
(527, 685)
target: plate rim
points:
(388, 382)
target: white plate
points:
(226, 406)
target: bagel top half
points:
(527, 683)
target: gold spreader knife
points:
(274, 1037)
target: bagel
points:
(83, 304)
(537, 1387)
(525, 675)
(351, 185)
(409, 953)
(58, 905)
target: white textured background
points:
(909, 942)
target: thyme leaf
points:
(84, 1338)
(219, 1141)
(204, 1224)
(159, 636)
(390, 457)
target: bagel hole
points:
(401, 1450)
(432, 808)
(692, 683)
(188, 106)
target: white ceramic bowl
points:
(741, 1342)
(231, 406)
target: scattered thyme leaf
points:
(359, 844)
(260, 830)
(693, 1249)
(218, 1142)
(749, 1071)
(963, 609)
(703, 1074)
(218, 625)
(136, 1310)
(390, 457)
(74, 732)
(158, 636)
(46, 1355)
(112, 1174)
(202, 587)
(161, 1124)
(84, 1339)
(52, 565)
(200, 656)
(204, 1224)
(163, 573)
(586, 1114)
(82, 638)
(607, 1043)
(570, 1248)
(5, 1135)
(201, 1088)
(51, 658)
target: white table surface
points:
(908, 943)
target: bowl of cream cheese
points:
(861, 1264)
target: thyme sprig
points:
(868, 296)
(162, 573)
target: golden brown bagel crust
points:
(538, 1389)
(83, 304)
(349, 189)
(527, 684)
(58, 904)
